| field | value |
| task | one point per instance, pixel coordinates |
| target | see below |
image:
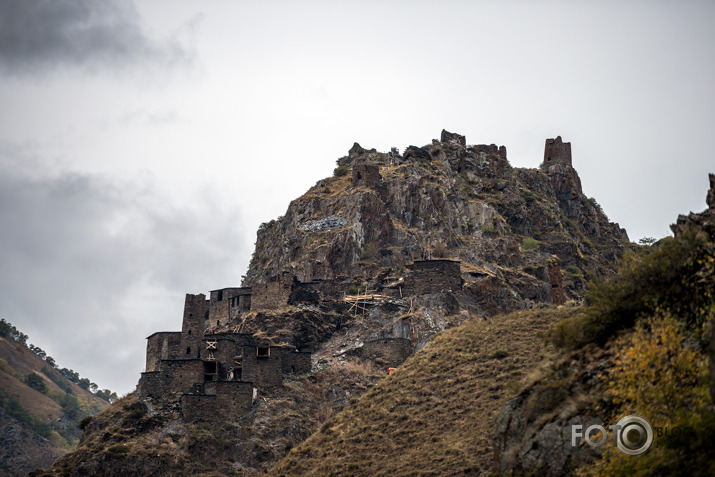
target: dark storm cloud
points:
(39, 35)
(91, 265)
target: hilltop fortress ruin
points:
(218, 373)
(215, 367)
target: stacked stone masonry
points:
(216, 373)
(274, 294)
(390, 351)
(367, 175)
(433, 276)
(557, 152)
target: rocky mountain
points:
(362, 271)
(381, 211)
(501, 396)
(40, 408)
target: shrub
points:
(489, 230)
(500, 354)
(529, 243)
(340, 171)
(369, 251)
(440, 250)
(676, 274)
(85, 422)
(665, 379)
(36, 382)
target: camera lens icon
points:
(634, 436)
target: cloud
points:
(92, 265)
(43, 35)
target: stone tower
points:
(563, 177)
(556, 152)
(196, 309)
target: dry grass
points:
(435, 414)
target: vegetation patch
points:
(450, 390)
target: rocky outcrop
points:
(533, 432)
(447, 136)
(450, 201)
(705, 219)
(21, 449)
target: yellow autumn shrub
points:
(661, 374)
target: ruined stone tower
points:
(196, 312)
(556, 152)
(563, 177)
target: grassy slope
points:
(435, 414)
(24, 361)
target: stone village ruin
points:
(216, 374)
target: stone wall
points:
(294, 362)
(490, 149)
(172, 376)
(433, 276)
(274, 294)
(240, 302)
(221, 305)
(162, 345)
(388, 351)
(196, 312)
(306, 292)
(222, 401)
(556, 152)
(263, 371)
(367, 175)
(447, 136)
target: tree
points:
(36, 382)
(107, 395)
(647, 241)
(38, 351)
(9, 331)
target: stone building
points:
(388, 351)
(433, 276)
(367, 175)
(214, 374)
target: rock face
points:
(706, 222)
(22, 450)
(533, 432)
(446, 200)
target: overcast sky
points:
(142, 143)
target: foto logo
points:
(633, 434)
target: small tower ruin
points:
(556, 152)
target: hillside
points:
(435, 414)
(499, 396)
(40, 409)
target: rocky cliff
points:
(643, 347)
(446, 199)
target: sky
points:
(142, 143)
